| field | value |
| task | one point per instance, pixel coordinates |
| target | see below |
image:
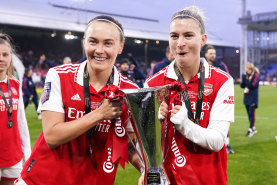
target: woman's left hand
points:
(176, 109)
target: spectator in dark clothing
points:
(29, 90)
(250, 83)
(130, 68)
(82, 60)
(45, 63)
(210, 55)
(124, 69)
(165, 62)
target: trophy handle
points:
(142, 156)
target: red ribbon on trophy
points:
(178, 168)
(119, 134)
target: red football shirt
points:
(208, 167)
(71, 163)
(15, 141)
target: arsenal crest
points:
(14, 91)
(208, 89)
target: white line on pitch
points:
(262, 118)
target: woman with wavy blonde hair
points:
(250, 83)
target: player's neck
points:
(2, 75)
(98, 79)
(189, 72)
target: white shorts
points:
(12, 172)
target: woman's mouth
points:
(100, 59)
(182, 53)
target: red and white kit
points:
(192, 157)
(71, 163)
(15, 141)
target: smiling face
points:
(102, 45)
(5, 57)
(185, 41)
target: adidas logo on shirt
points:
(76, 97)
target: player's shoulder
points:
(14, 80)
(157, 78)
(219, 74)
(125, 83)
(67, 68)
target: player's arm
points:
(23, 128)
(132, 153)
(222, 113)
(56, 131)
(134, 158)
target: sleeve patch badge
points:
(46, 92)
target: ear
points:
(121, 46)
(203, 39)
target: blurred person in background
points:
(151, 69)
(80, 143)
(210, 55)
(250, 83)
(14, 133)
(199, 113)
(129, 67)
(124, 69)
(29, 90)
(67, 60)
(165, 62)
(45, 63)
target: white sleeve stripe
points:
(129, 82)
(158, 73)
(221, 72)
(67, 66)
(68, 71)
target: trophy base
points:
(156, 176)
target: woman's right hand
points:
(110, 109)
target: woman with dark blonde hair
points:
(201, 110)
(85, 128)
(250, 83)
(14, 133)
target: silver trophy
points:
(144, 105)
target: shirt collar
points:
(171, 73)
(5, 79)
(80, 73)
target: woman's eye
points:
(174, 36)
(189, 35)
(92, 41)
(6, 54)
(108, 43)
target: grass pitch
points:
(255, 159)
